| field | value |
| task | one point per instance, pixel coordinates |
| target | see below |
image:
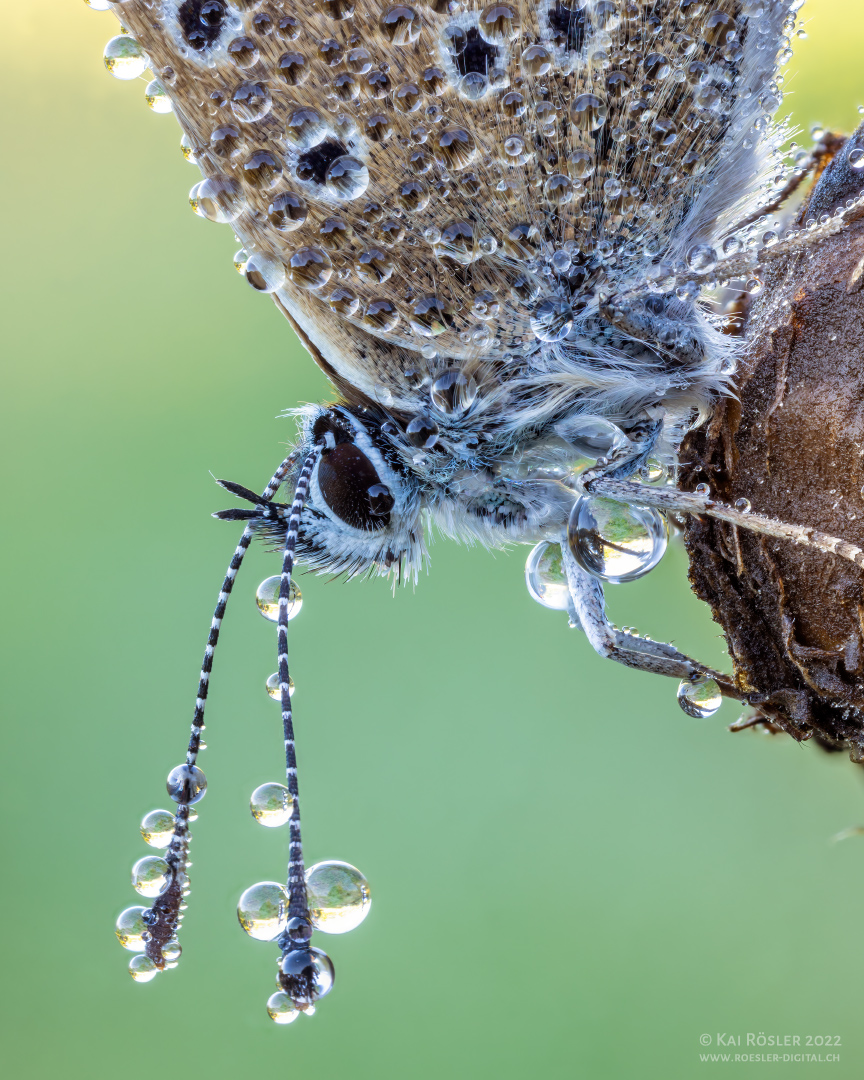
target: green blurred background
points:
(570, 877)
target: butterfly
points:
(499, 230)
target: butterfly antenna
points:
(299, 965)
(186, 786)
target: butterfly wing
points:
(419, 182)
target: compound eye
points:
(352, 488)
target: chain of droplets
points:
(187, 783)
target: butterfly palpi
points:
(499, 229)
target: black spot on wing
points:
(200, 33)
(478, 55)
(568, 27)
(313, 165)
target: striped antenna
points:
(298, 906)
(163, 918)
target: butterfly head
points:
(362, 513)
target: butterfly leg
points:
(586, 593)
(689, 502)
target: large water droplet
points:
(251, 101)
(281, 1009)
(142, 968)
(422, 432)
(157, 828)
(267, 598)
(593, 437)
(552, 319)
(400, 24)
(615, 541)
(271, 805)
(498, 23)
(430, 317)
(307, 974)
(157, 98)
(588, 112)
(338, 895)
(545, 577)
(218, 198)
(305, 128)
(150, 875)
(310, 268)
(125, 58)
(186, 784)
(699, 697)
(702, 258)
(274, 686)
(263, 273)
(263, 910)
(130, 928)
(453, 392)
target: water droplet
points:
(218, 198)
(251, 101)
(374, 265)
(186, 784)
(124, 58)
(717, 28)
(172, 951)
(294, 68)
(271, 805)
(157, 98)
(310, 268)
(262, 170)
(552, 319)
(559, 189)
(701, 258)
(545, 577)
(588, 112)
(287, 212)
(381, 315)
(263, 273)
(615, 541)
(742, 506)
(263, 910)
(142, 968)
(453, 392)
(400, 24)
(267, 598)
(856, 158)
(338, 896)
(407, 98)
(430, 317)
(243, 52)
(157, 828)
(274, 686)
(498, 24)
(187, 149)
(456, 148)
(473, 85)
(581, 165)
(536, 61)
(130, 928)
(702, 489)
(594, 437)
(151, 875)
(699, 697)
(422, 432)
(281, 1009)
(307, 974)
(653, 471)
